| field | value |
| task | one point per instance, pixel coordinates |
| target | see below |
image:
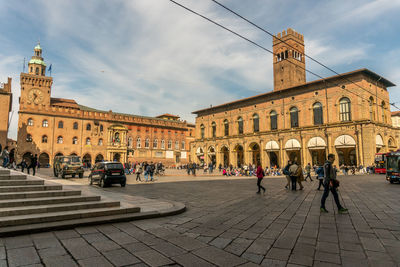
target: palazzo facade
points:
(50, 126)
(347, 115)
(5, 109)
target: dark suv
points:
(107, 173)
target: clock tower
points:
(35, 85)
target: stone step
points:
(32, 210)
(64, 215)
(12, 177)
(70, 224)
(46, 200)
(20, 182)
(40, 194)
(27, 188)
(4, 171)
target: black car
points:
(107, 173)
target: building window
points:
(162, 144)
(256, 123)
(226, 128)
(45, 123)
(183, 145)
(147, 143)
(88, 127)
(100, 142)
(30, 122)
(29, 138)
(202, 131)
(130, 142)
(317, 110)
(138, 143)
(294, 117)
(88, 142)
(274, 120)
(214, 129)
(383, 112)
(44, 139)
(37, 71)
(169, 144)
(344, 109)
(60, 140)
(176, 145)
(240, 125)
(75, 126)
(101, 128)
(155, 143)
(75, 140)
(60, 124)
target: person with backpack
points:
(320, 174)
(331, 184)
(286, 173)
(138, 171)
(260, 175)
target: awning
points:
(344, 141)
(199, 151)
(272, 146)
(379, 141)
(292, 144)
(316, 143)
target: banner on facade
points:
(183, 155)
(169, 154)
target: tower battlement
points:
(289, 33)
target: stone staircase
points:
(31, 205)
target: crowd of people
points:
(149, 170)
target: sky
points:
(149, 57)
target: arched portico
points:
(345, 146)
(317, 149)
(255, 156)
(239, 153)
(272, 152)
(292, 148)
(225, 156)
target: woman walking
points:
(260, 176)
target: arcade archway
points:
(44, 159)
(255, 153)
(225, 156)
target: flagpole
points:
(23, 67)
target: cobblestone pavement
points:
(227, 224)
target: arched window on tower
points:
(317, 110)
(75, 126)
(383, 107)
(88, 141)
(60, 124)
(44, 139)
(88, 127)
(256, 123)
(155, 143)
(60, 140)
(294, 117)
(344, 109)
(29, 138)
(162, 144)
(45, 123)
(147, 143)
(101, 128)
(30, 122)
(274, 120)
(75, 140)
(37, 71)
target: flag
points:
(50, 68)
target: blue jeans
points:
(5, 162)
(146, 176)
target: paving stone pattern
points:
(227, 224)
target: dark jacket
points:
(329, 172)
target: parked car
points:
(68, 165)
(107, 173)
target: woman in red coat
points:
(260, 176)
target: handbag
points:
(335, 183)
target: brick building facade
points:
(5, 109)
(52, 126)
(347, 115)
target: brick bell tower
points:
(35, 85)
(289, 60)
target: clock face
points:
(35, 96)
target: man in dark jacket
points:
(330, 184)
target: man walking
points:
(330, 184)
(308, 172)
(286, 173)
(33, 164)
(293, 169)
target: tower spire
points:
(36, 65)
